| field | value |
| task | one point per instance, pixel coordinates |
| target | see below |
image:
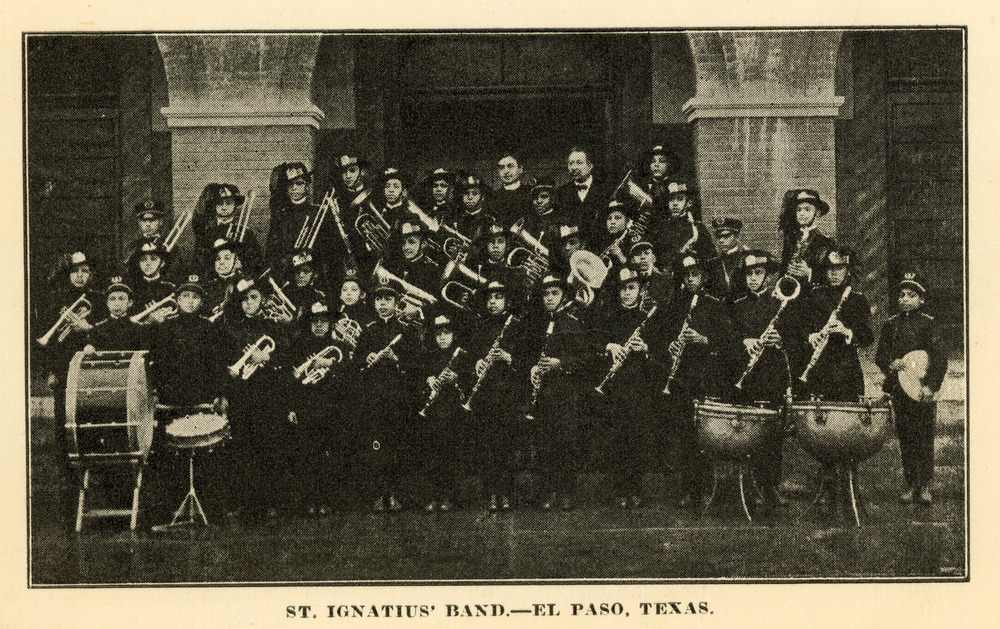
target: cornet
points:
(466, 291)
(67, 320)
(170, 240)
(169, 302)
(309, 372)
(243, 368)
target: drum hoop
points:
(72, 380)
(223, 425)
(738, 409)
(847, 407)
(143, 424)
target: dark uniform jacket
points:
(56, 355)
(118, 334)
(303, 296)
(218, 291)
(769, 379)
(657, 288)
(502, 389)
(670, 236)
(814, 251)
(729, 281)
(908, 331)
(186, 364)
(145, 292)
(388, 386)
(507, 205)
(635, 380)
(560, 390)
(422, 272)
(447, 404)
(286, 224)
(837, 375)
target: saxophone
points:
(680, 335)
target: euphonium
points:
(170, 301)
(67, 319)
(243, 368)
(278, 307)
(347, 330)
(616, 365)
(372, 227)
(532, 259)
(784, 298)
(412, 296)
(824, 335)
(310, 373)
(675, 365)
(467, 290)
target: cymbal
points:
(911, 376)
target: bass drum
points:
(835, 432)
(730, 431)
(109, 407)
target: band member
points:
(149, 222)
(442, 425)
(512, 197)
(542, 220)
(354, 193)
(317, 365)
(660, 164)
(805, 246)
(302, 289)
(770, 378)
(694, 341)
(498, 398)
(657, 284)
(732, 252)
(71, 279)
(439, 197)
(549, 351)
(489, 259)
(227, 269)
(186, 370)
(145, 275)
(412, 265)
(913, 329)
(570, 241)
(291, 210)
(393, 208)
(385, 365)
(584, 198)
(631, 389)
(473, 216)
(682, 233)
(261, 433)
(353, 301)
(216, 218)
(613, 243)
(117, 331)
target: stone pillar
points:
(764, 113)
(239, 105)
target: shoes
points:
(379, 504)
(431, 507)
(324, 510)
(622, 502)
(925, 496)
(505, 503)
(446, 505)
(567, 504)
(395, 505)
(493, 506)
(907, 496)
(686, 501)
(635, 502)
(551, 502)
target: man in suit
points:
(511, 199)
(585, 197)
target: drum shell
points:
(842, 431)
(730, 431)
(109, 407)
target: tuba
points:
(278, 307)
(533, 258)
(75, 315)
(243, 368)
(784, 294)
(465, 290)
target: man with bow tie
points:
(585, 196)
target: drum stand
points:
(83, 512)
(189, 511)
(742, 474)
(843, 470)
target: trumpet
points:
(616, 365)
(238, 228)
(170, 240)
(311, 373)
(68, 319)
(382, 353)
(311, 226)
(243, 368)
(824, 335)
(675, 365)
(532, 259)
(170, 302)
(793, 287)
(372, 227)
(413, 296)
(278, 307)
(466, 290)
(467, 405)
(436, 389)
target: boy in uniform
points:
(805, 247)
(227, 269)
(731, 255)
(117, 331)
(221, 203)
(682, 232)
(657, 284)
(146, 267)
(913, 329)
(302, 289)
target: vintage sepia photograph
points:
(496, 306)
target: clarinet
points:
(382, 352)
(536, 387)
(618, 365)
(436, 390)
(680, 335)
(467, 405)
(824, 335)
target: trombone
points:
(243, 368)
(169, 302)
(455, 245)
(311, 373)
(533, 259)
(68, 319)
(170, 240)
(311, 226)
(238, 228)
(466, 291)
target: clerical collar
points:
(300, 201)
(118, 318)
(633, 306)
(385, 319)
(512, 186)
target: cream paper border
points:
(735, 605)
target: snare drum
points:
(109, 407)
(201, 430)
(842, 431)
(731, 431)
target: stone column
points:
(764, 111)
(239, 105)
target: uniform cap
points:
(297, 170)
(638, 246)
(407, 228)
(192, 283)
(568, 231)
(148, 209)
(77, 258)
(627, 274)
(300, 259)
(914, 280)
(551, 280)
(495, 286)
(805, 195)
(318, 309)
(245, 284)
(727, 224)
(677, 187)
(441, 321)
(756, 257)
(542, 184)
(470, 181)
(117, 283)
